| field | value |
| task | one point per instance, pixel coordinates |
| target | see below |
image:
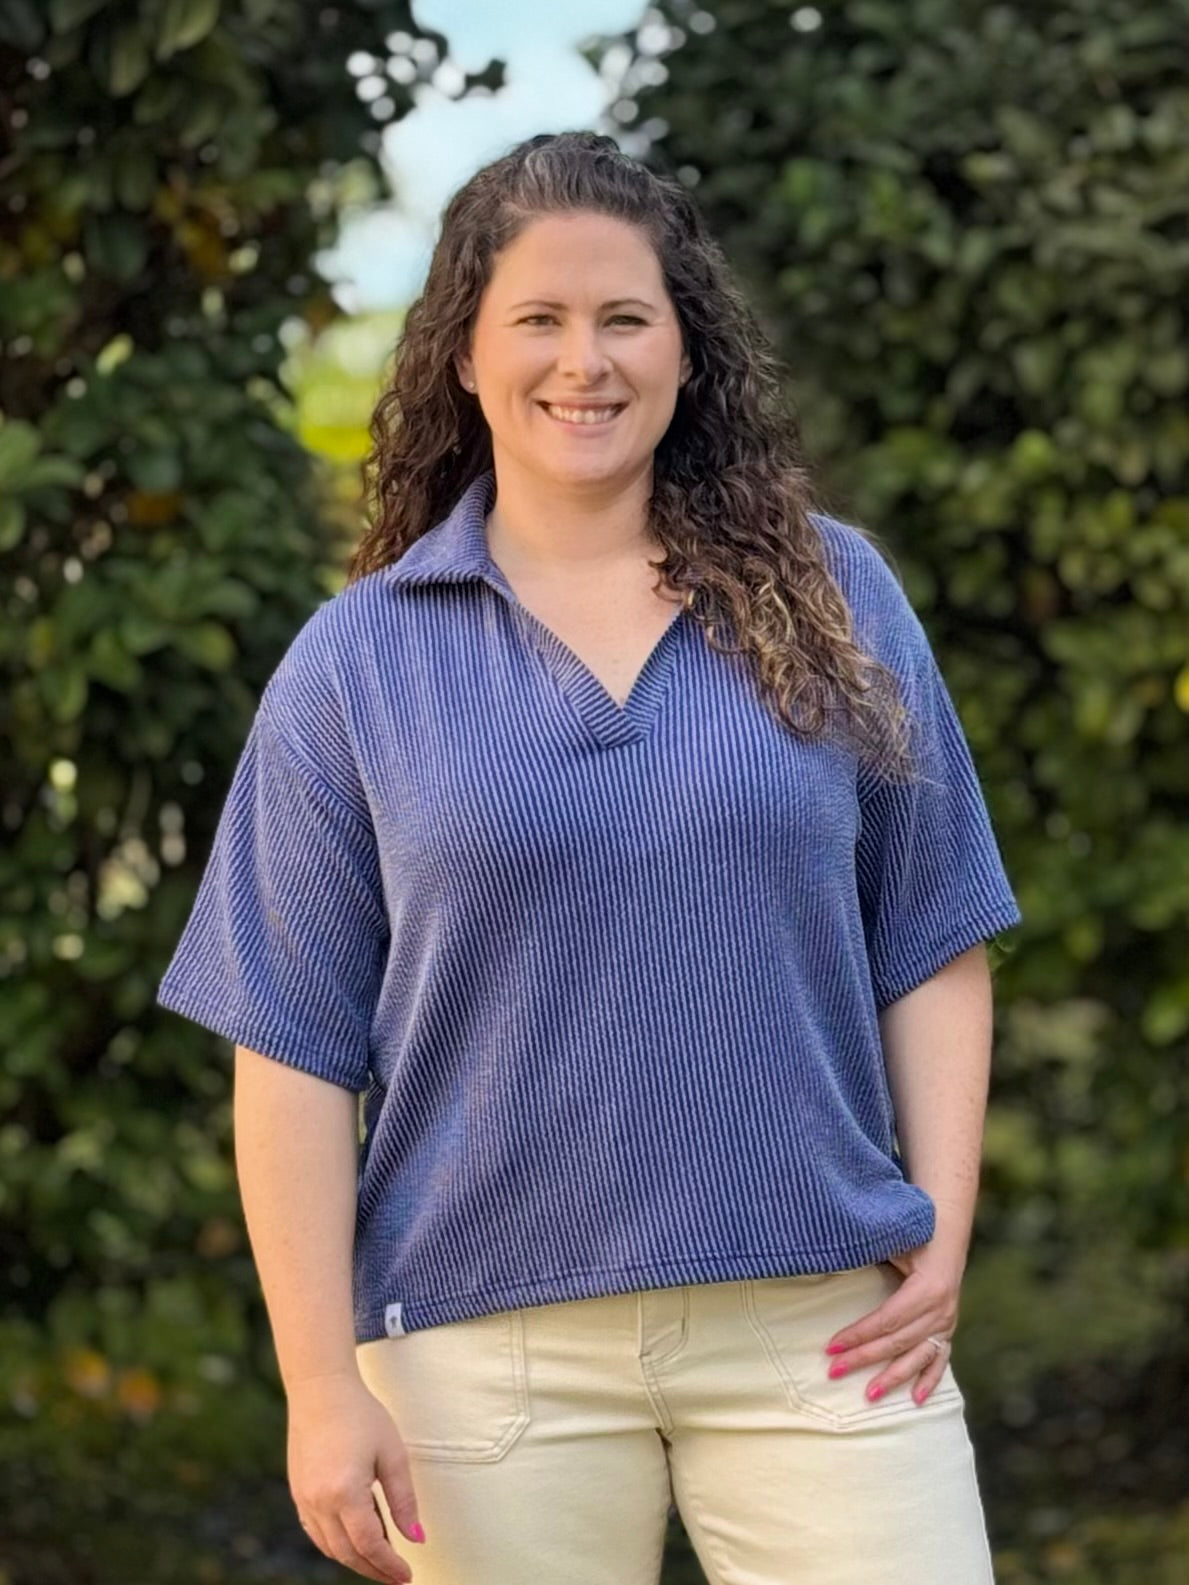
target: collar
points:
(455, 549)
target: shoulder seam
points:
(295, 754)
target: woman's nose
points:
(582, 352)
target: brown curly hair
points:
(731, 491)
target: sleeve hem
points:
(890, 986)
(270, 1040)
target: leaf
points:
(142, 633)
(208, 643)
(204, 120)
(45, 472)
(116, 245)
(1166, 1014)
(128, 62)
(159, 97)
(19, 445)
(135, 177)
(64, 689)
(183, 24)
(109, 662)
(232, 598)
(67, 14)
(12, 523)
(1025, 134)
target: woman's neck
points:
(541, 530)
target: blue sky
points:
(383, 252)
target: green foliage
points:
(175, 166)
(965, 227)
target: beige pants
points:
(548, 1443)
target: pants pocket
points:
(457, 1391)
(795, 1317)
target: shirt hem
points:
(419, 1314)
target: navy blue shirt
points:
(608, 976)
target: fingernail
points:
(919, 1395)
(875, 1391)
(417, 1533)
(835, 1348)
(838, 1369)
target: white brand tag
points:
(392, 1321)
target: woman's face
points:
(576, 312)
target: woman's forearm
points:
(937, 1051)
(296, 1152)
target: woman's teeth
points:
(581, 415)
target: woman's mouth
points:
(584, 417)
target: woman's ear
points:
(465, 370)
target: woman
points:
(613, 832)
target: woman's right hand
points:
(341, 1440)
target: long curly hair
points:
(731, 492)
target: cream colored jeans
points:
(548, 1443)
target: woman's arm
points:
(296, 1151)
(937, 1051)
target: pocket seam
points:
(487, 1451)
(865, 1412)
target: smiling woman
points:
(605, 382)
(556, 286)
(584, 834)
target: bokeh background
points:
(964, 225)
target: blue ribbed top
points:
(608, 976)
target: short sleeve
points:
(286, 943)
(930, 876)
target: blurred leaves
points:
(967, 227)
(171, 174)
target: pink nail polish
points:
(838, 1369)
(835, 1348)
(874, 1392)
(417, 1532)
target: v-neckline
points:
(611, 724)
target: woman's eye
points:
(631, 319)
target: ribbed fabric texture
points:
(609, 977)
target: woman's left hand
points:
(895, 1333)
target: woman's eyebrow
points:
(614, 302)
